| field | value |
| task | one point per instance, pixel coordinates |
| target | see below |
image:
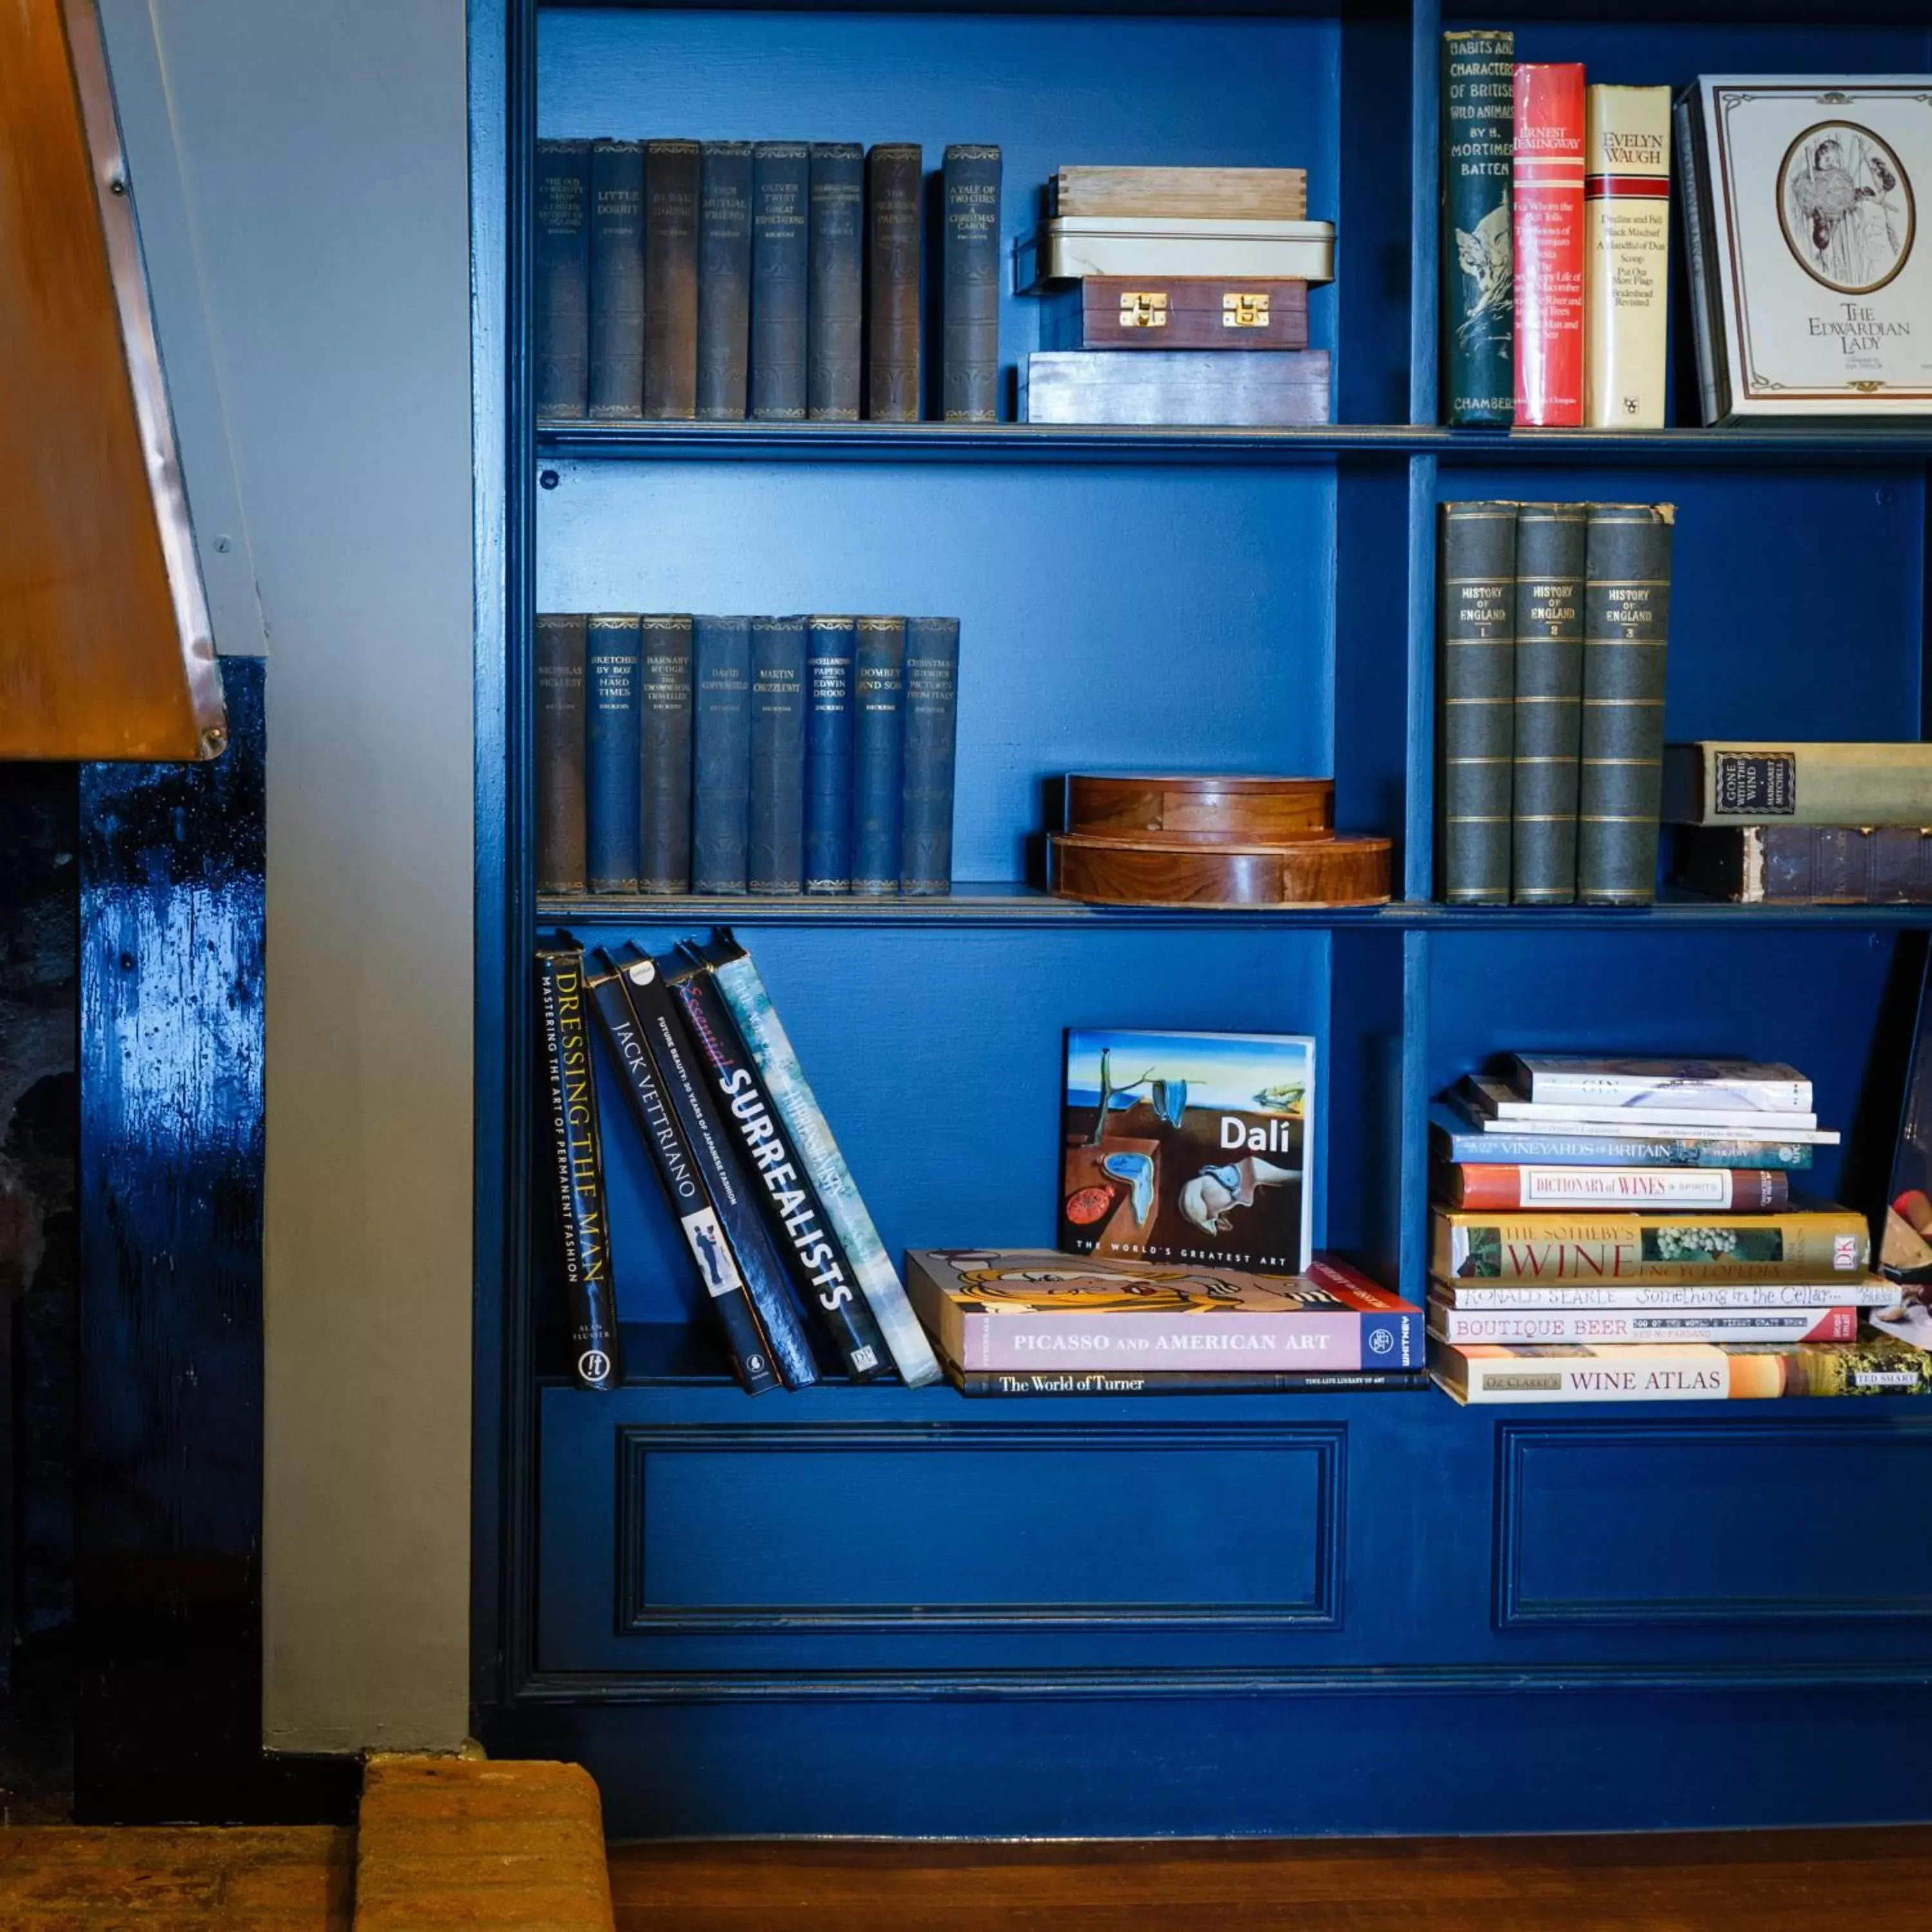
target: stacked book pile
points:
(1624, 1230)
(1151, 277)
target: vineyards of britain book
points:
(1454, 1135)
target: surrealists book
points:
(1684, 1372)
(1814, 1244)
(1184, 1146)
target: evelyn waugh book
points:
(1627, 254)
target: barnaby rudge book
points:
(671, 192)
(1476, 1372)
(1817, 1244)
(1186, 1148)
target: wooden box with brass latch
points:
(1175, 312)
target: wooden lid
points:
(1195, 805)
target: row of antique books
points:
(1624, 1230)
(728, 754)
(781, 280)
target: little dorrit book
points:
(1187, 1147)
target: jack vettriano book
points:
(1188, 1147)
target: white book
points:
(1630, 1129)
(1637, 1081)
(1496, 1101)
(1626, 254)
(1069, 248)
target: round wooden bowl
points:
(1337, 870)
(1201, 808)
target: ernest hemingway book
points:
(1819, 1244)
(1025, 1308)
(1684, 1372)
(1184, 1147)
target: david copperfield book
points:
(1180, 1147)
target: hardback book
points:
(781, 202)
(560, 748)
(1474, 1184)
(1478, 251)
(1626, 638)
(1805, 865)
(724, 281)
(720, 753)
(764, 1035)
(1812, 288)
(577, 1148)
(1595, 1327)
(1188, 1147)
(1247, 194)
(828, 755)
(1678, 1371)
(664, 840)
(561, 276)
(775, 838)
(1472, 1108)
(1174, 312)
(1861, 1292)
(1734, 782)
(1677, 1110)
(1819, 1244)
(1183, 1381)
(894, 223)
(1640, 1082)
(1453, 1136)
(1546, 206)
(931, 701)
(671, 183)
(681, 1175)
(1905, 1236)
(835, 297)
(1275, 389)
(614, 753)
(969, 363)
(1067, 247)
(878, 753)
(1026, 1308)
(1476, 679)
(616, 279)
(1626, 254)
(1551, 540)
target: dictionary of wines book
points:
(1862, 1291)
(1478, 255)
(970, 269)
(671, 185)
(612, 752)
(1547, 208)
(1626, 254)
(561, 743)
(1769, 782)
(1728, 1190)
(561, 273)
(1454, 1136)
(1805, 865)
(1819, 1244)
(1618, 1327)
(835, 297)
(724, 281)
(1551, 542)
(1476, 606)
(1682, 1371)
(894, 223)
(616, 279)
(1640, 1082)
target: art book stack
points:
(1624, 1230)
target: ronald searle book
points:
(1189, 1147)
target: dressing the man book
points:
(1180, 1147)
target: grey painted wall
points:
(316, 149)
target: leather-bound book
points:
(894, 190)
(931, 702)
(724, 281)
(1174, 312)
(561, 325)
(878, 751)
(612, 688)
(1626, 633)
(616, 279)
(1547, 210)
(1549, 545)
(721, 757)
(781, 188)
(664, 833)
(834, 298)
(671, 170)
(559, 749)
(1478, 273)
(1806, 864)
(1476, 684)
(828, 755)
(774, 839)
(970, 334)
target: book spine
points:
(1179, 1382)
(1735, 1372)
(820, 1270)
(1706, 325)
(724, 281)
(671, 277)
(722, 760)
(1870, 1293)
(589, 1287)
(1728, 1190)
(1707, 1092)
(1626, 634)
(1550, 542)
(613, 757)
(1626, 253)
(774, 842)
(1793, 1245)
(1023, 1339)
(560, 747)
(931, 700)
(1559, 1150)
(780, 190)
(1859, 785)
(664, 837)
(561, 272)
(680, 1069)
(1547, 206)
(969, 333)
(828, 757)
(1806, 864)
(1478, 277)
(878, 753)
(682, 1180)
(617, 279)
(763, 1034)
(835, 301)
(1477, 615)
(1625, 1325)
(894, 189)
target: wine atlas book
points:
(1678, 1371)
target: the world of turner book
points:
(1188, 1147)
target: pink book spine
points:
(1547, 216)
(1156, 1344)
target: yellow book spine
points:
(1626, 254)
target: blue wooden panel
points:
(1763, 1523)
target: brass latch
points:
(1248, 310)
(1143, 308)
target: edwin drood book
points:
(1188, 1146)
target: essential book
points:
(1626, 254)
(1733, 781)
(1638, 1082)
(1476, 679)
(1478, 252)
(1810, 1244)
(1678, 1371)
(1598, 1327)
(1506, 1187)
(672, 171)
(1547, 207)
(1187, 1147)
(1454, 1136)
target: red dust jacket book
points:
(1548, 197)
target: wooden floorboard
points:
(1873, 1880)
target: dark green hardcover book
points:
(612, 753)
(671, 277)
(1549, 545)
(969, 338)
(894, 191)
(664, 808)
(721, 755)
(1478, 269)
(1478, 700)
(835, 284)
(931, 711)
(781, 189)
(562, 323)
(617, 279)
(774, 841)
(1626, 637)
(724, 281)
(878, 753)
(560, 747)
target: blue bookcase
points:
(879, 1611)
